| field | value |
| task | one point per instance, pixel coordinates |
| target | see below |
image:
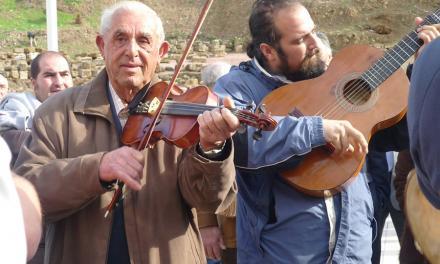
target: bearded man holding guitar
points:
(326, 218)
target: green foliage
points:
(73, 2)
(21, 18)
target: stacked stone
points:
(15, 65)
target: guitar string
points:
(358, 91)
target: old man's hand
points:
(217, 125)
(125, 164)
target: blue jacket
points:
(275, 222)
(423, 121)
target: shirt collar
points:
(119, 104)
(279, 78)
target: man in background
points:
(50, 73)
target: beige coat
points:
(71, 132)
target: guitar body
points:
(340, 93)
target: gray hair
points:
(133, 6)
(212, 72)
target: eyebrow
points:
(119, 32)
(51, 72)
(305, 34)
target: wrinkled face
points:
(54, 76)
(131, 50)
(300, 54)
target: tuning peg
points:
(262, 108)
(257, 134)
(250, 106)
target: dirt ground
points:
(374, 22)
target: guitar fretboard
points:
(395, 57)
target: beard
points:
(311, 67)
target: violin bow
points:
(147, 136)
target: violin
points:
(177, 123)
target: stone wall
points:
(15, 65)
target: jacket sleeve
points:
(14, 115)
(278, 149)
(62, 191)
(205, 183)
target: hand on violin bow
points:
(125, 164)
(217, 125)
(427, 33)
(344, 137)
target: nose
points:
(132, 49)
(59, 81)
(313, 45)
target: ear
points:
(100, 44)
(268, 52)
(164, 48)
(34, 82)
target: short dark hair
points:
(261, 25)
(35, 64)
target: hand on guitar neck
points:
(426, 33)
(343, 137)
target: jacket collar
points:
(279, 78)
(251, 67)
(92, 98)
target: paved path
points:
(231, 58)
(390, 244)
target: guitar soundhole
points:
(357, 92)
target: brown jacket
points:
(71, 132)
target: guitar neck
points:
(395, 57)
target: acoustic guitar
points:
(363, 85)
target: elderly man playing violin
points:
(277, 223)
(74, 156)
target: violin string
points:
(195, 109)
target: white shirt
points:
(13, 247)
(119, 104)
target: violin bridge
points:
(154, 105)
